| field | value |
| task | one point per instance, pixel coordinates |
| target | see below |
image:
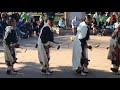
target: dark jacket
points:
(47, 35)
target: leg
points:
(73, 30)
(10, 68)
(84, 60)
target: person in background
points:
(94, 26)
(16, 16)
(40, 24)
(115, 26)
(75, 23)
(113, 18)
(108, 21)
(101, 24)
(33, 23)
(28, 27)
(61, 23)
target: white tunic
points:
(41, 51)
(8, 56)
(77, 49)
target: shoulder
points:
(8, 29)
(46, 28)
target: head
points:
(3, 15)
(50, 21)
(101, 20)
(12, 22)
(24, 20)
(76, 18)
(40, 18)
(88, 19)
(113, 13)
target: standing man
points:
(80, 54)
(9, 43)
(75, 23)
(114, 49)
(45, 42)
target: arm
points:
(83, 32)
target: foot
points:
(80, 72)
(9, 72)
(85, 70)
(117, 73)
(49, 71)
(83, 74)
(45, 72)
(15, 70)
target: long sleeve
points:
(83, 32)
(46, 35)
(10, 37)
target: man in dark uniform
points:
(9, 43)
(45, 42)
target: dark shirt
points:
(41, 24)
(3, 25)
(11, 38)
(16, 16)
(47, 35)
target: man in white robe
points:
(80, 54)
(45, 42)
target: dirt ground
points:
(61, 60)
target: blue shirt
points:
(61, 23)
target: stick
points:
(25, 50)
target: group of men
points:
(46, 41)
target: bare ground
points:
(61, 60)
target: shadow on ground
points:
(32, 70)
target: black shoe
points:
(9, 72)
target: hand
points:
(17, 45)
(12, 46)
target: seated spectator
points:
(61, 23)
(28, 27)
(115, 26)
(113, 18)
(101, 24)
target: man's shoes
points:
(10, 72)
(81, 72)
(85, 70)
(117, 73)
(50, 71)
(45, 72)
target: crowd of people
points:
(26, 24)
(21, 24)
(103, 22)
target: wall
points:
(71, 15)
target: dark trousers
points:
(84, 59)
